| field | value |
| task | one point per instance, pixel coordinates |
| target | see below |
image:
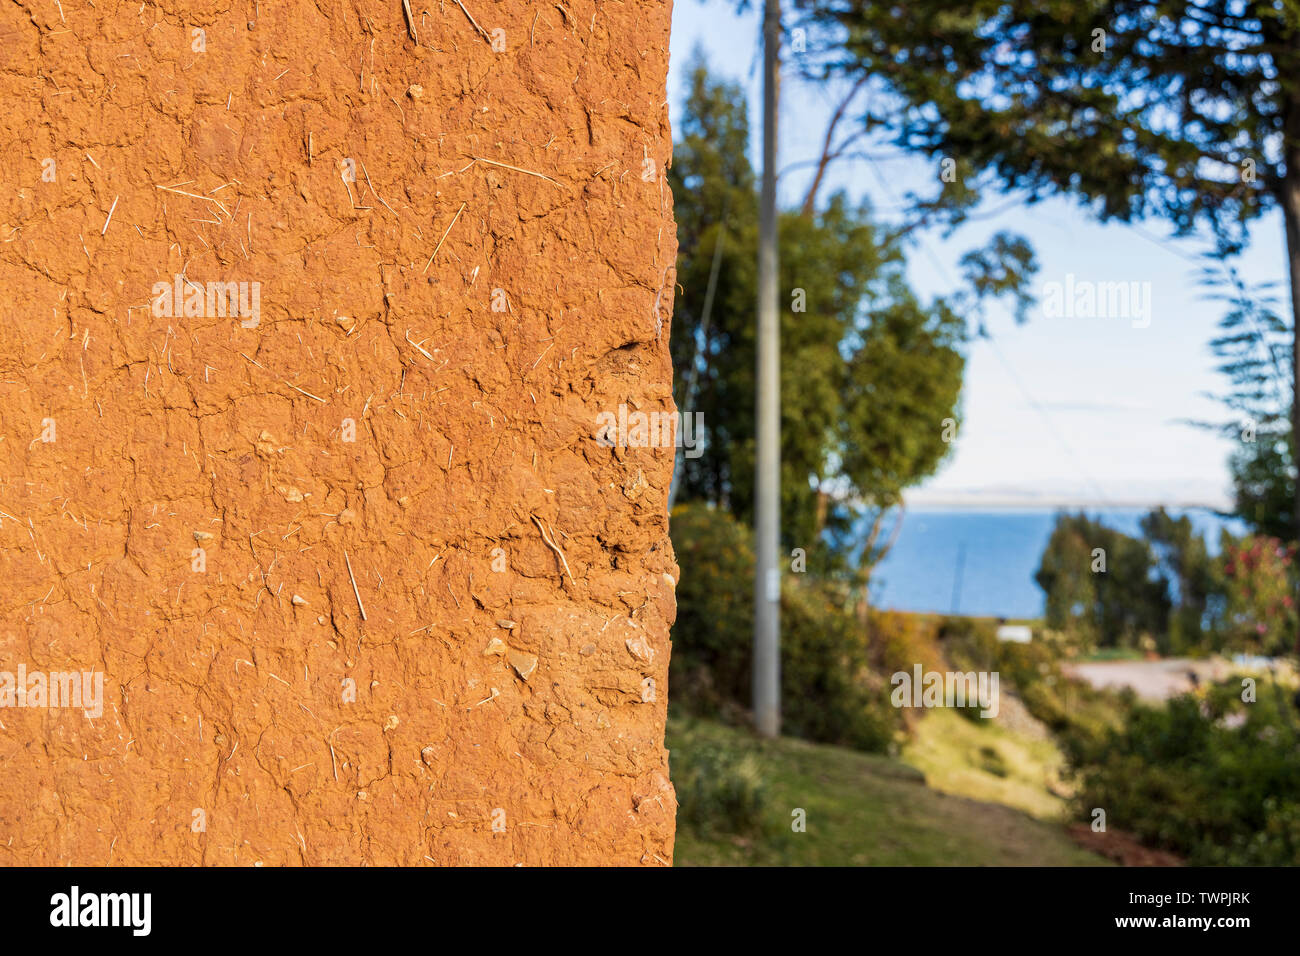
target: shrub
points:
(718, 791)
(1033, 671)
(898, 642)
(828, 692)
(713, 637)
(1256, 578)
(1182, 778)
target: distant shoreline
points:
(976, 507)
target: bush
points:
(1256, 578)
(718, 791)
(1033, 671)
(901, 641)
(1185, 778)
(828, 692)
(713, 637)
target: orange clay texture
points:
(463, 250)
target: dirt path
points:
(1152, 680)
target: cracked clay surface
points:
(361, 584)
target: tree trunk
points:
(1291, 217)
(1290, 203)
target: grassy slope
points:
(866, 810)
(987, 762)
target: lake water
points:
(983, 562)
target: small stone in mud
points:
(524, 664)
(640, 648)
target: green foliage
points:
(1001, 269)
(719, 789)
(712, 638)
(1122, 605)
(1166, 593)
(1068, 707)
(900, 383)
(1159, 122)
(868, 372)
(1256, 577)
(828, 694)
(1255, 351)
(1263, 479)
(1184, 778)
(1183, 560)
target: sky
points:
(1059, 410)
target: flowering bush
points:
(1257, 580)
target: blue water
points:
(999, 552)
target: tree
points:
(1188, 111)
(1103, 587)
(869, 373)
(1254, 352)
(1184, 561)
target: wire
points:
(1057, 433)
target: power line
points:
(1052, 428)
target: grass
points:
(1112, 654)
(986, 762)
(861, 810)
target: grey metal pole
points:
(767, 480)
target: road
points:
(1152, 680)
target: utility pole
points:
(767, 458)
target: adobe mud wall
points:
(359, 582)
